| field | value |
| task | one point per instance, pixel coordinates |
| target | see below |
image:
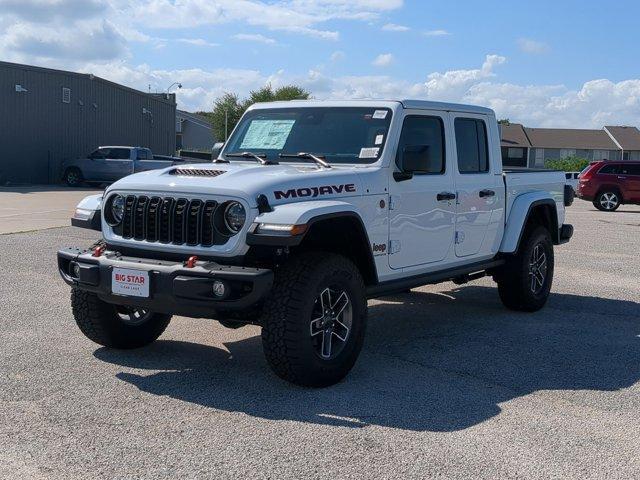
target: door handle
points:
(446, 196)
(621, 178)
(486, 193)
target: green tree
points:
(234, 107)
(504, 121)
(567, 164)
(227, 110)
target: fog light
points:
(219, 288)
(74, 270)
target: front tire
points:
(73, 177)
(115, 326)
(607, 201)
(524, 282)
(314, 322)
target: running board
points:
(472, 272)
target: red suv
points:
(610, 184)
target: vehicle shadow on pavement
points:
(431, 362)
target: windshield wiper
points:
(259, 157)
(318, 159)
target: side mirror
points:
(217, 148)
(412, 158)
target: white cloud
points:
(393, 27)
(436, 33)
(452, 85)
(254, 37)
(532, 46)
(383, 60)
(199, 42)
(86, 41)
(338, 56)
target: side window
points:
(471, 144)
(634, 170)
(119, 154)
(144, 155)
(99, 153)
(610, 169)
(423, 137)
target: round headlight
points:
(117, 210)
(234, 217)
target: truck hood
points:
(282, 183)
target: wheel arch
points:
(332, 226)
(610, 187)
(343, 233)
(540, 211)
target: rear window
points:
(610, 169)
(471, 143)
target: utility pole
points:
(226, 124)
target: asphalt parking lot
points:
(449, 384)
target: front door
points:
(422, 209)
(479, 189)
(630, 178)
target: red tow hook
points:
(191, 262)
(98, 251)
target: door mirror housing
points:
(217, 148)
(412, 158)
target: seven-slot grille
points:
(177, 221)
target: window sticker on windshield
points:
(380, 114)
(379, 139)
(267, 134)
(369, 152)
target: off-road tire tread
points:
(96, 320)
(279, 332)
(511, 287)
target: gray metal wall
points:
(38, 131)
(197, 137)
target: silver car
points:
(110, 163)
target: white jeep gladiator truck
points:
(310, 209)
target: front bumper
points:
(173, 287)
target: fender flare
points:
(88, 213)
(521, 211)
(301, 213)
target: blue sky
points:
(544, 63)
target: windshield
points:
(337, 134)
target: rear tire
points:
(314, 321)
(73, 177)
(524, 282)
(115, 326)
(607, 200)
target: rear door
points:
(422, 209)
(479, 187)
(145, 161)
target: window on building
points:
(515, 152)
(567, 152)
(601, 155)
(471, 145)
(626, 156)
(425, 131)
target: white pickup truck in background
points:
(310, 209)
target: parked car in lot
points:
(310, 209)
(610, 184)
(111, 163)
